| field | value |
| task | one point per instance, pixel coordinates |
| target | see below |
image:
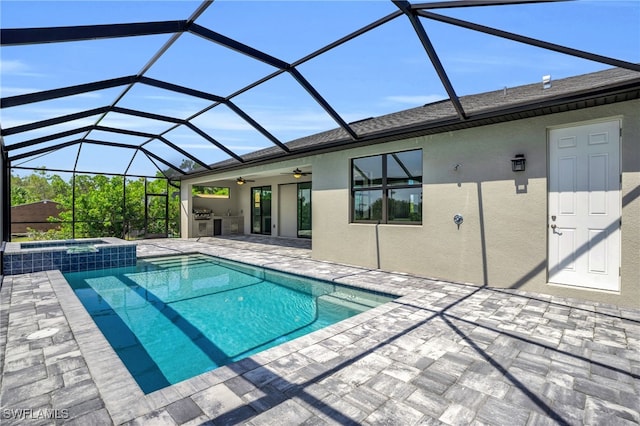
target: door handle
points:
(553, 226)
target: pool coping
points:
(123, 398)
(14, 248)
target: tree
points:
(189, 165)
(19, 194)
(32, 188)
(98, 206)
(104, 206)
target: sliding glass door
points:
(304, 210)
(261, 210)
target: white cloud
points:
(17, 67)
(13, 66)
(208, 146)
(124, 121)
(162, 98)
(188, 146)
(241, 148)
(176, 138)
(50, 112)
(14, 91)
(91, 95)
(414, 99)
(223, 121)
(291, 120)
(509, 59)
(10, 119)
(272, 119)
(470, 62)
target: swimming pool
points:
(173, 318)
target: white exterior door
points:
(585, 206)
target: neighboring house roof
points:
(599, 88)
(34, 216)
(36, 202)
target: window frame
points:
(385, 188)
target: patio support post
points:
(146, 209)
(124, 206)
(166, 209)
(73, 206)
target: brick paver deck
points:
(443, 353)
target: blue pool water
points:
(175, 317)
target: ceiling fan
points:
(297, 173)
(241, 180)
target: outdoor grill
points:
(201, 214)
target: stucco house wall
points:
(503, 240)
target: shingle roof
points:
(612, 85)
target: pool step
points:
(348, 301)
(168, 263)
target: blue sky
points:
(383, 71)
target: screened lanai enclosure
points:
(107, 106)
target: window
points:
(387, 188)
(304, 210)
(210, 191)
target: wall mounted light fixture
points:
(518, 163)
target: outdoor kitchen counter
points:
(231, 224)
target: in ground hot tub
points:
(84, 254)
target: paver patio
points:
(443, 353)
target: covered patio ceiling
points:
(206, 88)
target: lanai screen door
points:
(156, 215)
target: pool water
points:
(175, 317)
